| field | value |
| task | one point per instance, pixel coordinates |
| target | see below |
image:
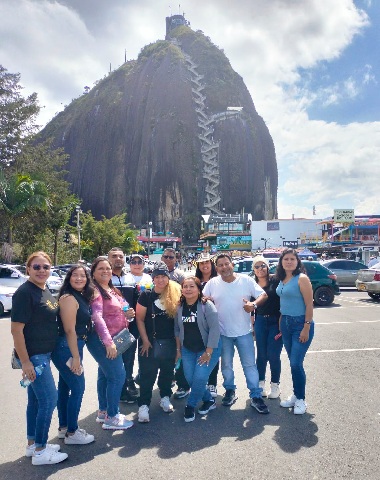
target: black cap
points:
(160, 268)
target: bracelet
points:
(208, 354)
(308, 323)
(178, 349)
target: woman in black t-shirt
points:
(267, 333)
(35, 330)
(155, 313)
(74, 323)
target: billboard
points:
(344, 215)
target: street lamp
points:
(149, 236)
(79, 211)
(265, 240)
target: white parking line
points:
(346, 350)
(359, 321)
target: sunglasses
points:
(38, 267)
(260, 266)
(168, 256)
(136, 262)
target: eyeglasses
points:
(168, 256)
(256, 267)
(136, 262)
(38, 267)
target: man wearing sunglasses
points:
(169, 257)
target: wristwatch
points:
(308, 323)
(254, 305)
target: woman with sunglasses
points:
(109, 320)
(74, 326)
(266, 327)
(297, 326)
(35, 330)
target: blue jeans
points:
(70, 386)
(111, 376)
(246, 349)
(197, 375)
(42, 400)
(291, 328)
(268, 349)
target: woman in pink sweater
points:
(109, 319)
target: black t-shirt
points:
(38, 309)
(164, 325)
(272, 305)
(192, 339)
(83, 324)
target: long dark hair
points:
(280, 272)
(197, 282)
(199, 274)
(103, 293)
(88, 290)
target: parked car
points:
(10, 276)
(369, 281)
(345, 270)
(6, 294)
(323, 281)
(13, 276)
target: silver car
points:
(6, 294)
(345, 270)
(11, 277)
(369, 281)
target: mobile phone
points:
(69, 363)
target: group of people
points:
(186, 326)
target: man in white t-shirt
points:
(231, 293)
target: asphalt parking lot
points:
(338, 437)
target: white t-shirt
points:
(143, 279)
(234, 321)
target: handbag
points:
(15, 362)
(123, 340)
(163, 348)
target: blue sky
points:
(312, 68)
(350, 81)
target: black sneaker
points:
(181, 393)
(132, 390)
(189, 415)
(229, 398)
(207, 406)
(259, 404)
(126, 397)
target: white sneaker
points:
(62, 432)
(31, 448)
(48, 457)
(80, 437)
(274, 390)
(300, 407)
(166, 405)
(213, 390)
(143, 415)
(262, 385)
(290, 402)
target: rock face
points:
(156, 139)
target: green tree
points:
(17, 116)
(99, 236)
(20, 194)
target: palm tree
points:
(19, 194)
